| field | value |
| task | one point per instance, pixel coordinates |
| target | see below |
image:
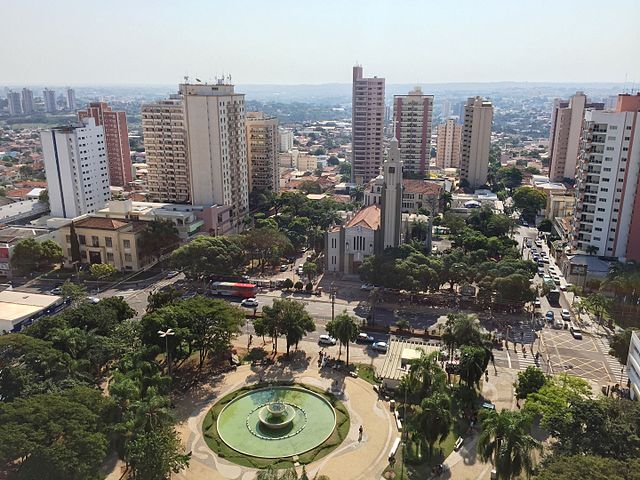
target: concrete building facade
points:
(27, 101)
(476, 141)
(262, 152)
(217, 146)
(49, 97)
(75, 161)
(633, 366)
(367, 121)
(412, 115)
(165, 144)
(391, 198)
(286, 140)
(564, 138)
(607, 216)
(71, 99)
(448, 144)
(116, 139)
(14, 102)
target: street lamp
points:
(166, 334)
(333, 299)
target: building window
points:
(82, 239)
(109, 257)
(108, 242)
(68, 237)
(127, 257)
(126, 243)
(95, 241)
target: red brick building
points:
(116, 140)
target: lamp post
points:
(166, 334)
(333, 300)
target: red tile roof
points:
(421, 186)
(368, 217)
(101, 223)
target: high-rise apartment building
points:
(286, 140)
(27, 101)
(262, 152)
(217, 146)
(367, 123)
(448, 144)
(15, 104)
(564, 139)
(71, 99)
(607, 215)
(116, 139)
(446, 110)
(412, 115)
(476, 141)
(165, 145)
(49, 97)
(75, 161)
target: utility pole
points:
(333, 300)
(166, 334)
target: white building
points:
(412, 116)
(633, 366)
(286, 140)
(476, 141)
(564, 139)
(75, 161)
(15, 103)
(217, 146)
(448, 144)
(71, 99)
(49, 97)
(607, 215)
(262, 152)
(27, 101)
(391, 198)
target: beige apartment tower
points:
(217, 146)
(262, 151)
(448, 144)
(367, 122)
(564, 139)
(476, 142)
(412, 115)
(165, 144)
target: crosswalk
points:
(614, 365)
(511, 359)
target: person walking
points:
(360, 432)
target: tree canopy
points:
(30, 255)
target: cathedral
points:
(373, 228)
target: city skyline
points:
(489, 42)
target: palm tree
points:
(289, 474)
(427, 373)
(345, 328)
(432, 420)
(461, 329)
(591, 250)
(507, 443)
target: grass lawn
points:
(367, 372)
(419, 468)
(216, 444)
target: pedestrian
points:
(360, 432)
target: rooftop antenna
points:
(186, 79)
(229, 79)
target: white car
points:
(576, 332)
(172, 273)
(249, 303)
(56, 291)
(93, 300)
(536, 303)
(367, 287)
(565, 314)
(381, 347)
(326, 340)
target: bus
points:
(233, 289)
(554, 297)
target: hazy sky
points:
(289, 42)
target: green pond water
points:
(240, 427)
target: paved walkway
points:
(352, 460)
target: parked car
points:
(540, 271)
(173, 273)
(536, 303)
(283, 268)
(576, 332)
(56, 291)
(249, 302)
(549, 316)
(93, 300)
(326, 340)
(367, 287)
(565, 314)
(381, 347)
(300, 270)
(539, 243)
(364, 338)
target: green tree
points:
(155, 454)
(619, 344)
(162, 298)
(298, 285)
(267, 245)
(545, 225)
(556, 394)
(290, 318)
(158, 236)
(345, 328)
(426, 377)
(506, 441)
(511, 177)
(56, 435)
(530, 381)
(309, 186)
(598, 305)
(462, 329)
(205, 256)
(287, 284)
(592, 467)
(44, 197)
(529, 201)
(333, 160)
(473, 362)
(30, 255)
(76, 292)
(102, 271)
(310, 269)
(432, 420)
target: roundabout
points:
(276, 421)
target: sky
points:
(73, 42)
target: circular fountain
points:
(276, 422)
